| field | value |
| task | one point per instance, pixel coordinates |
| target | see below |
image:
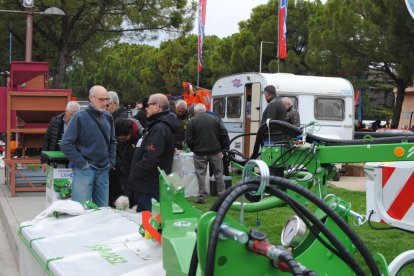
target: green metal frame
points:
(183, 227)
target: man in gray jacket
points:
(89, 143)
(206, 136)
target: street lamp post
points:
(29, 34)
(261, 52)
(28, 4)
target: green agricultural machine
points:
(317, 240)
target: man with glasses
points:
(57, 127)
(113, 106)
(89, 143)
(155, 150)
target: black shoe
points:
(201, 200)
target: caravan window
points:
(330, 109)
(218, 106)
(233, 107)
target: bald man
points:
(155, 149)
(292, 115)
(89, 143)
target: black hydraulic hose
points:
(221, 212)
(291, 129)
(308, 272)
(222, 207)
(194, 258)
(289, 150)
(194, 262)
(295, 131)
(241, 135)
(305, 214)
(286, 184)
(293, 265)
(304, 165)
(253, 156)
(227, 200)
(232, 153)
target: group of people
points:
(278, 109)
(113, 155)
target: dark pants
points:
(143, 200)
(226, 165)
(116, 188)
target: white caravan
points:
(239, 101)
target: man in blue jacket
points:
(89, 143)
(155, 149)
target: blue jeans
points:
(91, 184)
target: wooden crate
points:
(354, 170)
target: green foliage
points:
(89, 26)
(130, 70)
(353, 37)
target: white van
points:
(239, 101)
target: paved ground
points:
(25, 206)
(8, 263)
(352, 183)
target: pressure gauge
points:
(28, 3)
(293, 232)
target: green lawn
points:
(390, 243)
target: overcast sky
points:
(223, 16)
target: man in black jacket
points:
(275, 110)
(113, 106)
(57, 126)
(183, 116)
(155, 149)
(206, 136)
(115, 175)
(141, 116)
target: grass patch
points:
(390, 243)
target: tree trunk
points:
(401, 86)
(59, 78)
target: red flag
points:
(356, 98)
(282, 28)
(201, 22)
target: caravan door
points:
(252, 115)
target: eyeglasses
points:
(101, 99)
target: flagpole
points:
(198, 78)
(278, 35)
(200, 39)
(198, 46)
